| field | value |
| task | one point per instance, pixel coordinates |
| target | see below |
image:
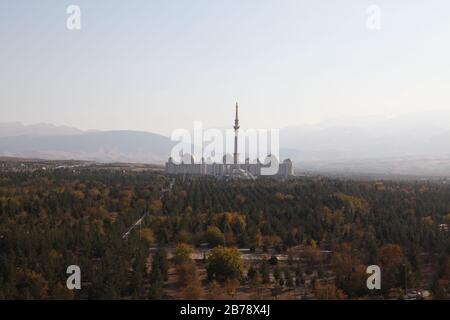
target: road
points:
(141, 219)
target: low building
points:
(227, 170)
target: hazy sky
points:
(159, 65)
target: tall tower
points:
(236, 132)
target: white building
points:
(226, 169)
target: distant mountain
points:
(417, 143)
(353, 138)
(103, 146)
(10, 129)
(412, 144)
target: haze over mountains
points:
(412, 144)
(47, 141)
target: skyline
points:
(434, 118)
(156, 66)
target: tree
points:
(147, 235)
(392, 261)
(156, 285)
(350, 273)
(224, 263)
(276, 274)
(156, 206)
(328, 291)
(32, 285)
(264, 270)
(231, 286)
(289, 278)
(155, 291)
(60, 292)
(161, 264)
(55, 218)
(182, 253)
(214, 236)
(255, 237)
(193, 291)
(192, 288)
(251, 273)
(215, 291)
(257, 284)
(186, 271)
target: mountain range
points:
(411, 144)
(47, 141)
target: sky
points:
(159, 65)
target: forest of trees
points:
(328, 228)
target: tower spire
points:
(236, 132)
(236, 119)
